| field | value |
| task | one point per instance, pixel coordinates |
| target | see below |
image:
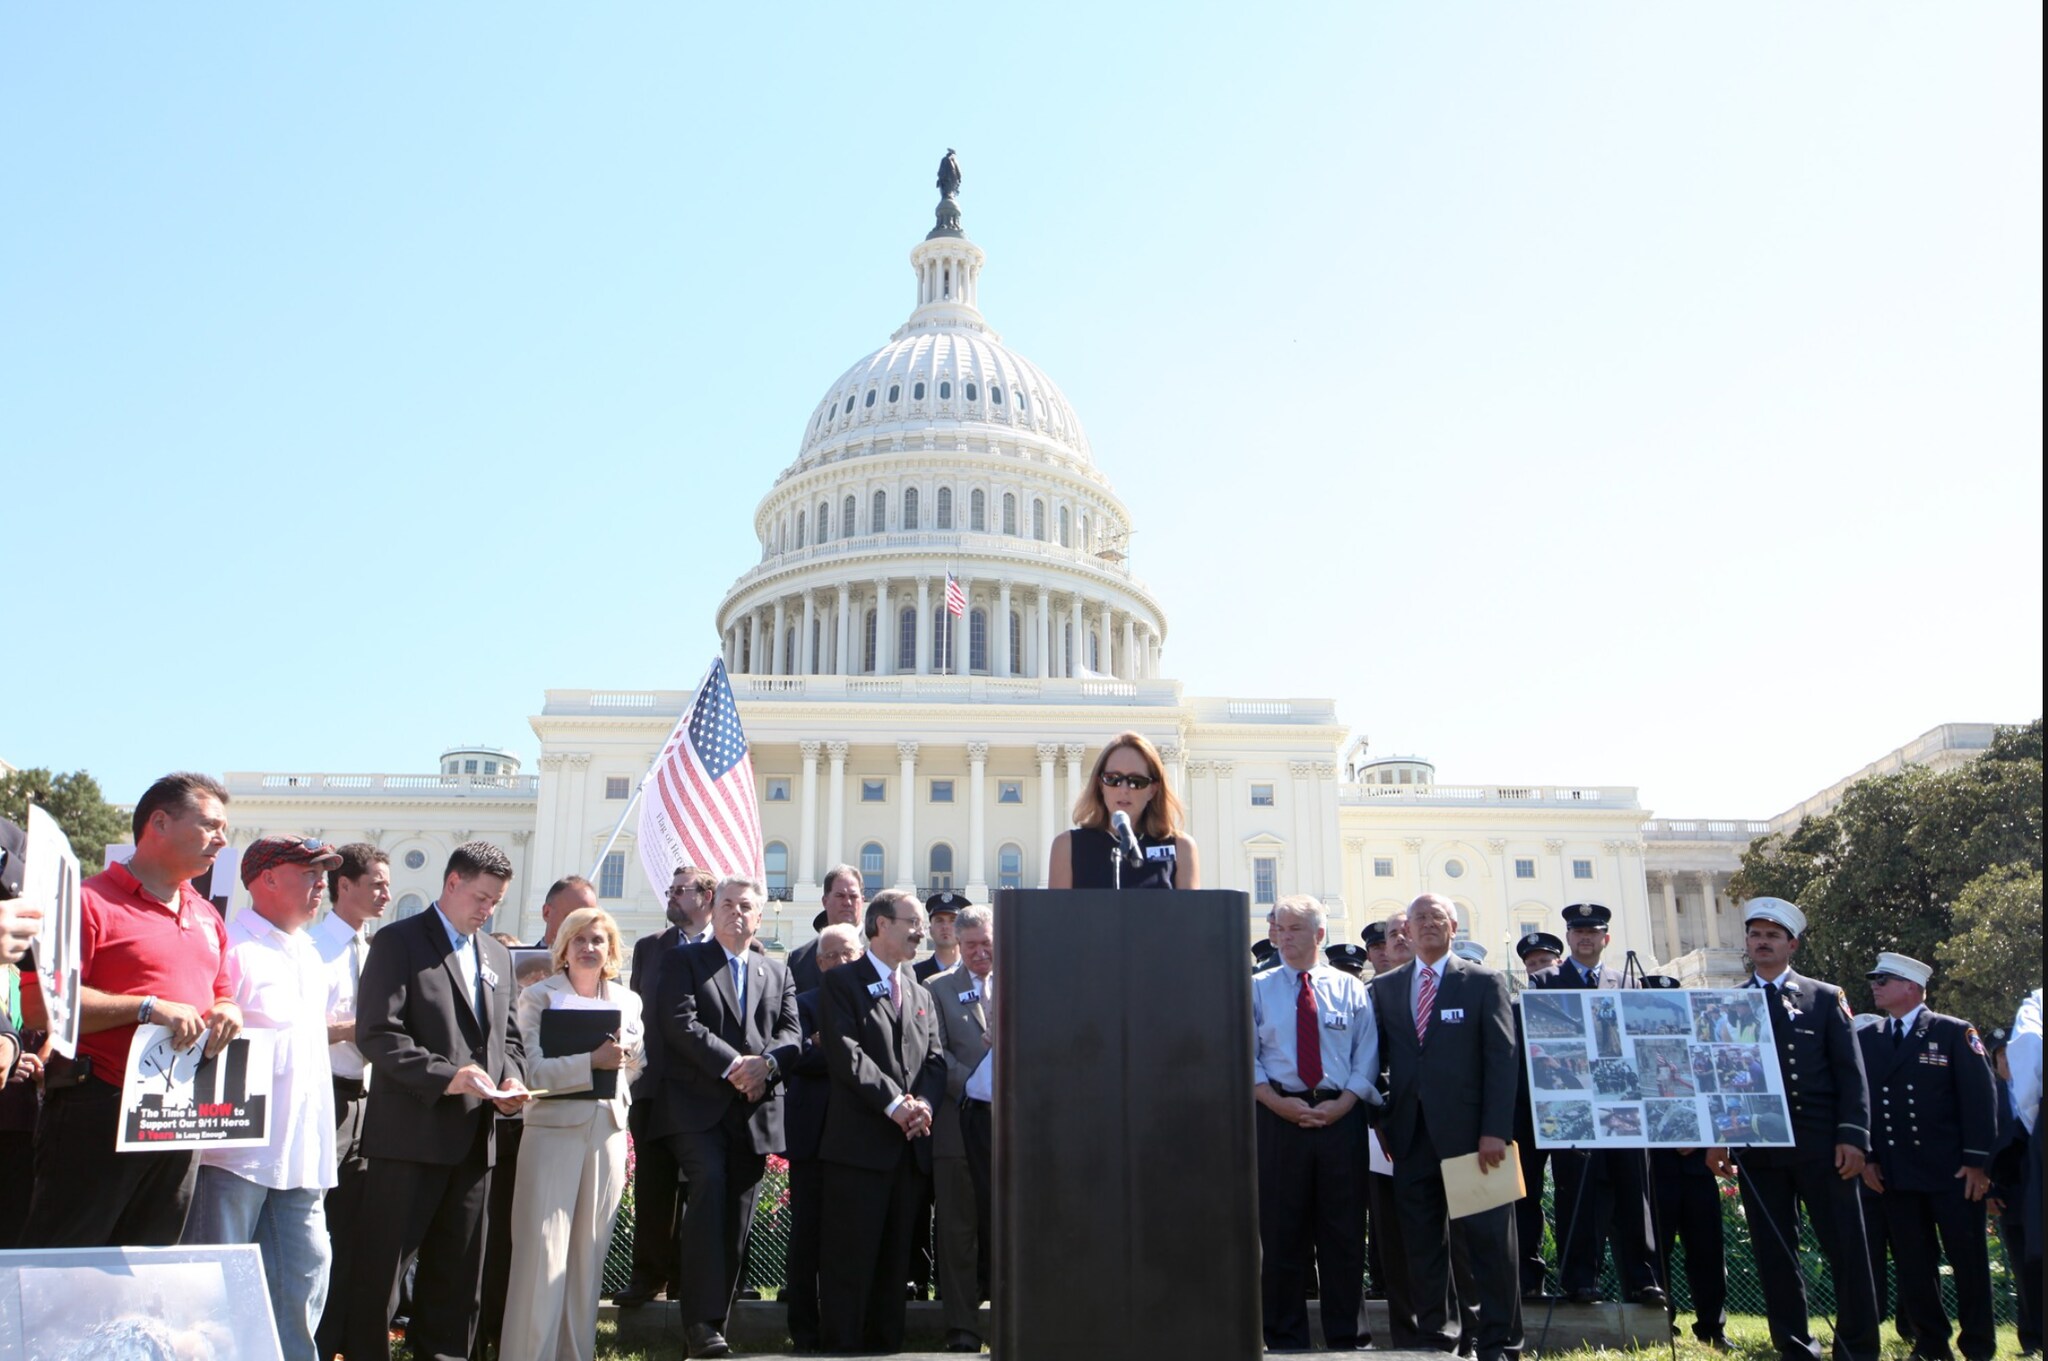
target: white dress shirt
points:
(465, 954)
(281, 986)
(1350, 1038)
(343, 950)
(2023, 1059)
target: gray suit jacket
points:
(963, 1034)
(1460, 1081)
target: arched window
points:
(1038, 520)
(878, 520)
(871, 868)
(1066, 540)
(868, 644)
(1016, 643)
(945, 391)
(824, 521)
(817, 646)
(895, 391)
(846, 514)
(944, 510)
(409, 905)
(1009, 513)
(977, 640)
(799, 529)
(1067, 646)
(910, 508)
(941, 878)
(849, 403)
(1010, 866)
(1086, 542)
(977, 511)
(789, 650)
(972, 395)
(1094, 651)
(917, 391)
(1022, 404)
(775, 856)
(906, 640)
(995, 394)
(945, 641)
(870, 398)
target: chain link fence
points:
(768, 1248)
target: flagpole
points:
(620, 825)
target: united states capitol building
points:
(941, 751)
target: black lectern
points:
(1126, 1183)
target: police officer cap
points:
(1263, 953)
(1660, 980)
(1902, 966)
(1375, 933)
(1775, 910)
(948, 901)
(1538, 940)
(1587, 914)
(1471, 951)
(1350, 958)
(818, 922)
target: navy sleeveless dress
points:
(1090, 851)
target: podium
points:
(1126, 1174)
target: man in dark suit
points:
(1929, 1159)
(882, 1046)
(1386, 1256)
(1830, 1105)
(656, 1183)
(435, 1020)
(729, 1022)
(844, 899)
(961, 1138)
(807, 1086)
(1599, 1194)
(1447, 1046)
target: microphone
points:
(1126, 836)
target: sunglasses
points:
(1881, 978)
(1112, 780)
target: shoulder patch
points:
(1843, 998)
(1976, 1041)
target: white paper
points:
(49, 880)
(1376, 1159)
(571, 1001)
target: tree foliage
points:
(1895, 865)
(76, 803)
(1994, 959)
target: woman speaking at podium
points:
(1128, 779)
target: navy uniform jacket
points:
(1823, 1072)
(808, 1083)
(1565, 974)
(1934, 1099)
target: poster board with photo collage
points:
(1669, 1068)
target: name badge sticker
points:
(1336, 1022)
(490, 975)
(1159, 852)
(970, 997)
(878, 989)
(1451, 1014)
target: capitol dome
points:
(944, 454)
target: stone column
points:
(1041, 632)
(1046, 827)
(906, 824)
(807, 658)
(1077, 651)
(1707, 905)
(1499, 847)
(1130, 671)
(775, 648)
(977, 821)
(835, 803)
(924, 626)
(1413, 845)
(1564, 885)
(804, 883)
(753, 643)
(1674, 941)
(843, 666)
(1174, 756)
(1000, 655)
(1073, 751)
(885, 630)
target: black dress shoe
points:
(960, 1340)
(636, 1293)
(704, 1339)
(1587, 1296)
(1650, 1294)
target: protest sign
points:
(1675, 1068)
(178, 1098)
(49, 880)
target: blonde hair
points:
(1162, 816)
(573, 926)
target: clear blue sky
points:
(1588, 393)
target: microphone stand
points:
(1116, 867)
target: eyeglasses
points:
(1113, 780)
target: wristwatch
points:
(774, 1068)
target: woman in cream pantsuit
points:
(572, 1161)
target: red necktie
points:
(894, 1001)
(1308, 1042)
(1425, 1002)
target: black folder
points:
(576, 1031)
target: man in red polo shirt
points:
(151, 949)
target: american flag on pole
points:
(699, 807)
(956, 599)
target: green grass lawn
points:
(1750, 1340)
